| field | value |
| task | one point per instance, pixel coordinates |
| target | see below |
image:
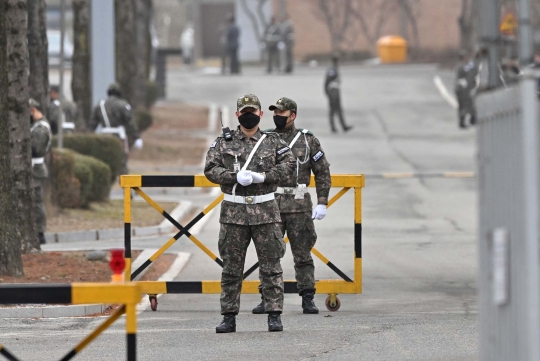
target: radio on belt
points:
(226, 131)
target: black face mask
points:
(249, 120)
(280, 121)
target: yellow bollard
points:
(392, 49)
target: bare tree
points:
(259, 22)
(337, 17)
(126, 49)
(364, 13)
(13, 105)
(81, 84)
(466, 24)
(38, 53)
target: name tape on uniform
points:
(318, 156)
(283, 150)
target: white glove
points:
(319, 212)
(257, 177)
(244, 177)
(138, 144)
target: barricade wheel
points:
(332, 303)
(153, 302)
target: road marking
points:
(444, 92)
(173, 271)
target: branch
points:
(252, 18)
(260, 12)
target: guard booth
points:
(508, 282)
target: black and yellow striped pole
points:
(126, 294)
(127, 233)
(8, 355)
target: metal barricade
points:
(331, 287)
(128, 295)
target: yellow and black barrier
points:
(331, 287)
(128, 295)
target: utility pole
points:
(62, 65)
(490, 38)
(529, 106)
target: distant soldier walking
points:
(295, 205)
(466, 73)
(53, 113)
(40, 137)
(272, 37)
(113, 116)
(287, 31)
(248, 168)
(233, 44)
(332, 87)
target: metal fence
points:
(508, 232)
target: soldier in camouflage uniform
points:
(465, 85)
(112, 114)
(332, 88)
(294, 201)
(40, 138)
(53, 113)
(249, 210)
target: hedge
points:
(143, 119)
(90, 179)
(66, 187)
(107, 148)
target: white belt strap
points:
(286, 190)
(104, 113)
(38, 161)
(253, 152)
(249, 199)
(298, 136)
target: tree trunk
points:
(12, 42)
(81, 84)
(126, 49)
(38, 82)
(19, 124)
(143, 12)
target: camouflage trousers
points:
(234, 240)
(39, 206)
(302, 237)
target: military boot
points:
(307, 302)
(274, 322)
(228, 324)
(259, 309)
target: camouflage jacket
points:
(40, 138)
(316, 163)
(70, 112)
(119, 113)
(273, 157)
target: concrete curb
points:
(96, 235)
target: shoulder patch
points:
(128, 107)
(318, 155)
(213, 145)
(283, 150)
(305, 131)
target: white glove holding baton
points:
(244, 177)
(257, 177)
(319, 212)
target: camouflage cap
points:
(285, 104)
(33, 103)
(248, 101)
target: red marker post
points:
(117, 265)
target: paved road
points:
(419, 254)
